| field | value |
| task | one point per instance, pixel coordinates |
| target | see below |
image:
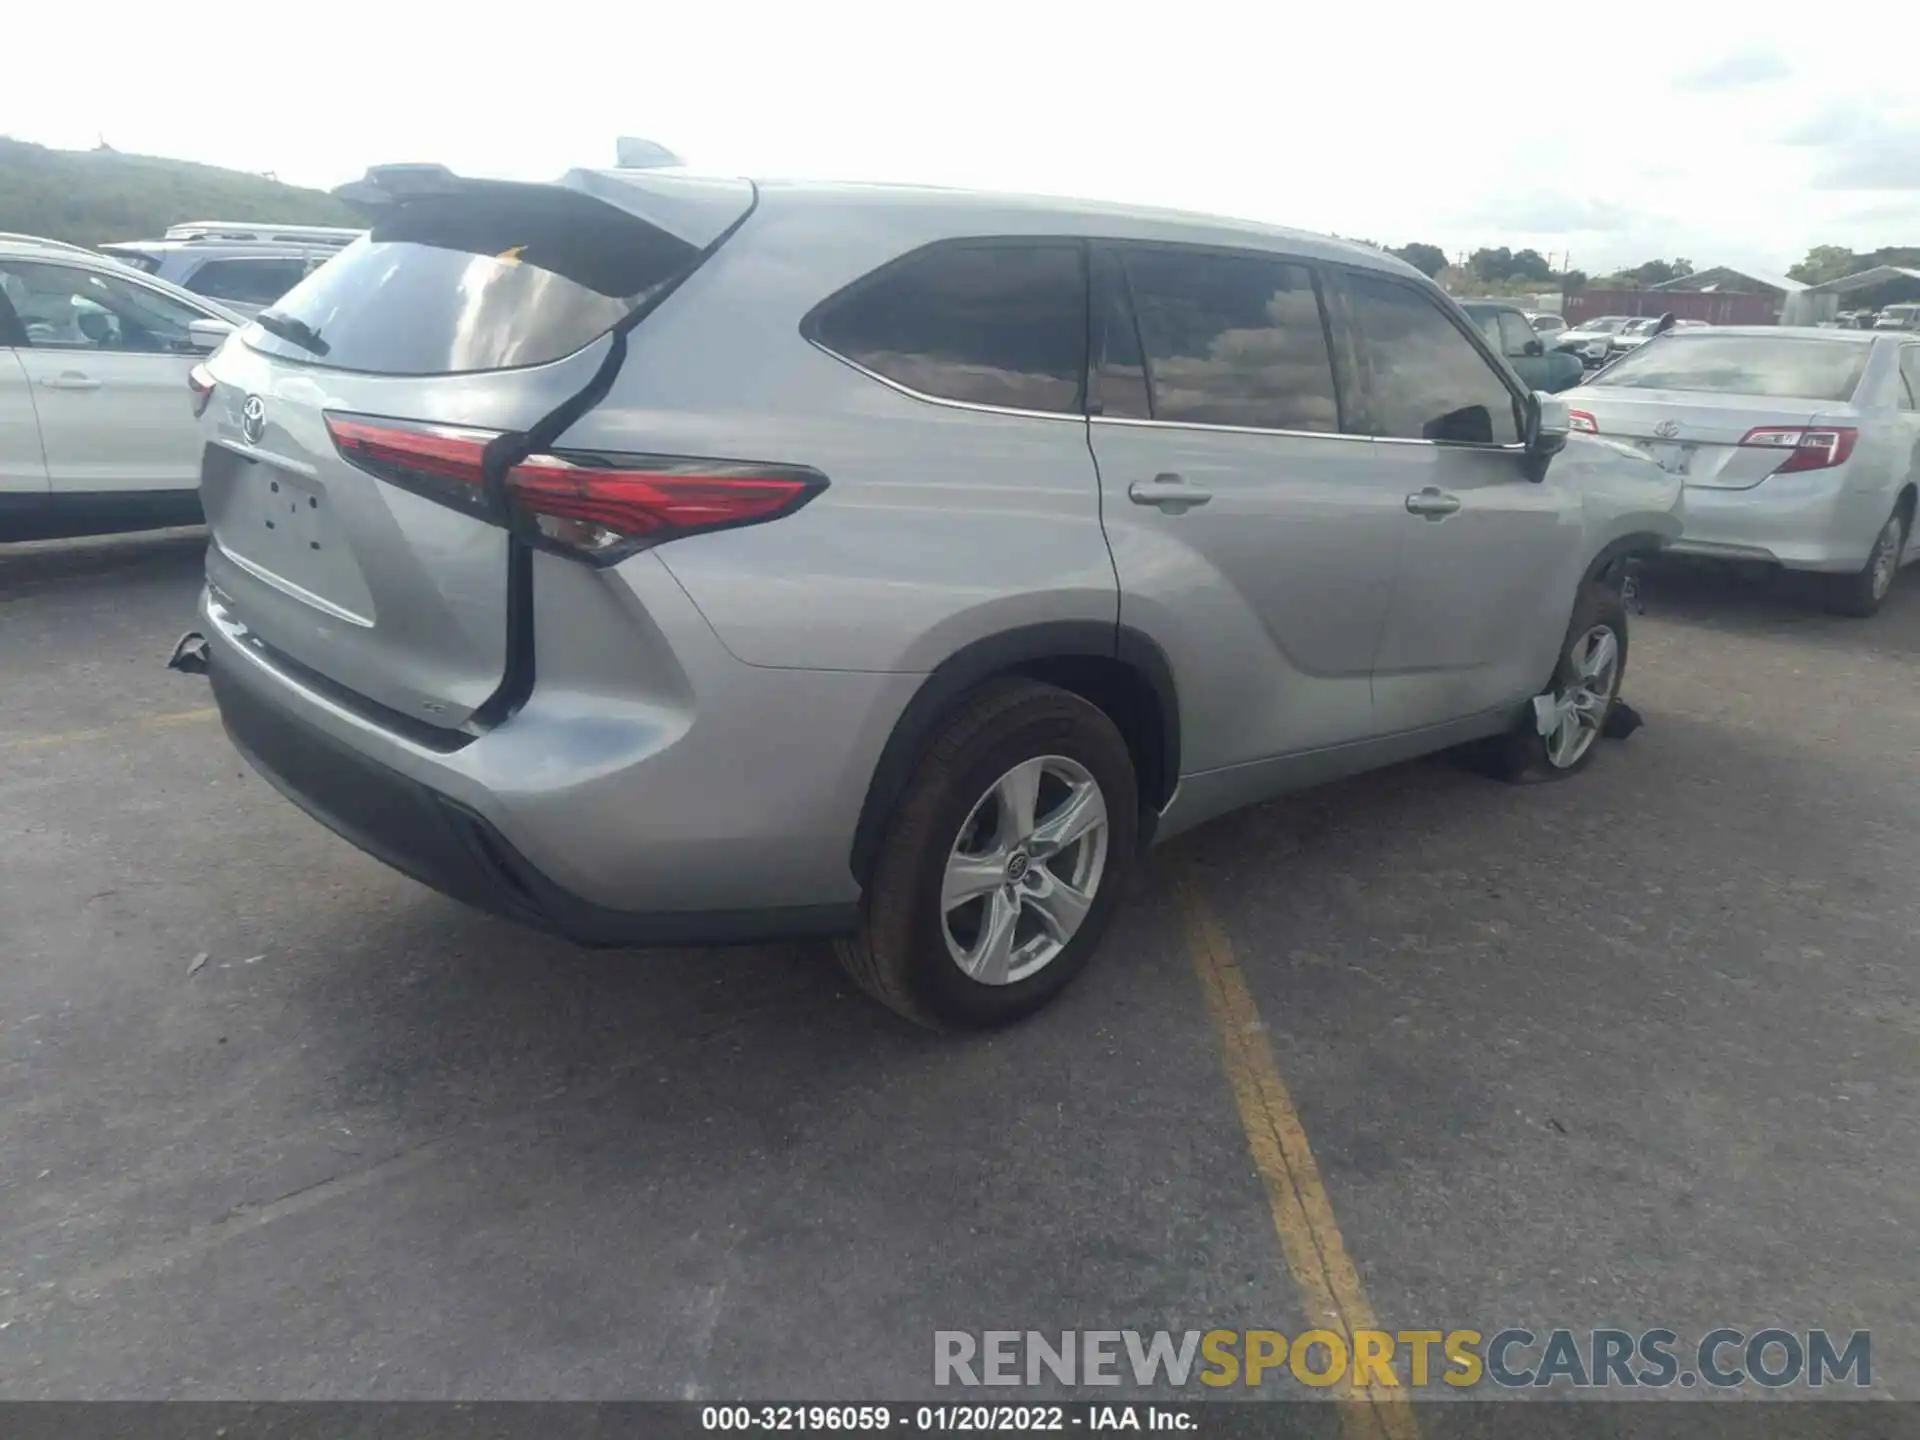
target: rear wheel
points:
(1002, 864)
(1560, 731)
(1866, 589)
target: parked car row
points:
(1129, 520)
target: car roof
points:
(1797, 332)
(1084, 217)
(217, 247)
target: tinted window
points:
(63, 308)
(1233, 340)
(251, 282)
(1123, 374)
(1784, 367)
(478, 281)
(1424, 379)
(1515, 334)
(990, 324)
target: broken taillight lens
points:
(200, 389)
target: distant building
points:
(1865, 290)
(1722, 295)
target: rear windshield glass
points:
(1792, 369)
(485, 280)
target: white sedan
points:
(1799, 447)
(97, 428)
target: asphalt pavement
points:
(1635, 1050)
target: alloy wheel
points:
(1024, 870)
(1580, 707)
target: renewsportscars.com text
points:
(1514, 1358)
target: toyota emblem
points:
(1667, 429)
(253, 419)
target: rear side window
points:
(989, 323)
(1786, 367)
(1232, 340)
(1910, 376)
(251, 282)
(1515, 334)
(1422, 377)
(489, 279)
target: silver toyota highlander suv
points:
(658, 559)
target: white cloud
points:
(1400, 132)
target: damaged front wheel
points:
(1559, 732)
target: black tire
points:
(1866, 589)
(1523, 755)
(900, 956)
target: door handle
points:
(1170, 493)
(69, 380)
(1433, 502)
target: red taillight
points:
(601, 506)
(1582, 423)
(1809, 448)
(200, 388)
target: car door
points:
(1908, 419)
(1524, 350)
(1488, 551)
(23, 468)
(1251, 537)
(107, 358)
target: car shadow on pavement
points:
(1767, 601)
(154, 554)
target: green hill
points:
(87, 196)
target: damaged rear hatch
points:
(356, 539)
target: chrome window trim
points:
(1128, 420)
(1077, 417)
(1133, 422)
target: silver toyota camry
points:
(1799, 447)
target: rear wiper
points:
(294, 331)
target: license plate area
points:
(1671, 456)
(283, 528)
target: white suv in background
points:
(96, 430)
(244, 276)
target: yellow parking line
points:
(1302, 1214)
(103, 732)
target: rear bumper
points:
(452, 849)
(719, 808)
(1804, 522)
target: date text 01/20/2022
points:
(944, 1419)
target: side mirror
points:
(1534, 347)
(208, 335)
(1549, 423)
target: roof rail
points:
(263, 230)
(40, 242)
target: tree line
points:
(1497, 270)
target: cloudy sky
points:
(1616, 132)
